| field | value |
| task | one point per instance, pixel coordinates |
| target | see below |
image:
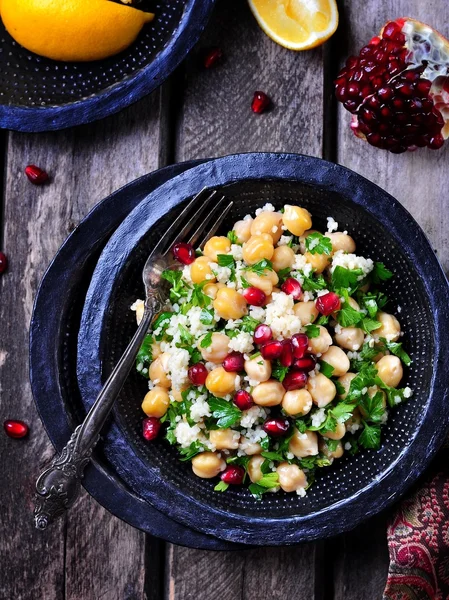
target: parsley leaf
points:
(273, 456)
(312, 331)
(207, 316)
(232, 237)
(323, 320)
(245, 284)
(301, 425)
(313, 283)
(186, 337)
(380, 273)
(342, 411)
(199, 298)
(194, 449)
(332, 445)
(370, 436)
(346, 278)
(178, 287)
(373, 407)
(226, 413)
(369, 325)
(206, 341)
(283, 274)
(226, 260)
(366, 354)
(221, 486)
(267, 482)
(278, 371)
(317, 243)
(162, 321)
(326, 369)
(367, 377)
(348, 316)
(145, 354)
(396, 349)
(260, 267)
(249, 324)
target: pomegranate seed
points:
(436, 142)
(15, 429)
(300, 343)
(260, 102)
(233, 474)
(184, 253)
(295, 380)
(212, 56)
(292, 287)
(3, 262)
(307, 363)
(286, 358)
(243, 400)
(234, 362)
(390, 30)
(36, 175)
(262, 334)
(276, 427)
(150, 428)
(328, 303)
(271, 350)
(254, 296)
(198, 374)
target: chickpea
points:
(306, 311)
(242, 230)
(355, 419)
(264, 282)
(257, 248)
(341, 241)
(258, 369)
(337, 453)
(229, 304)
(177, 394)
(207, 465)
(291, 477)
(321, 389)
(321, 343)
(224, 439)
(155, 350)
(218, 349)
(318, 261)
(345, 381)
(266, 222)
(249, 448)
(211, 289)
(350, 338)
(338, 434)
(390, 328)
(254, 468)
(217, 244)
(297, 402)
(353, 304)
(268, 393)
(156, 402)
(337, 359)
(303, 444)
(372, 391)
(200, 270)
(220, 383)
(390, 370)
(159, 369)
(283, 258)
(139, 306)
(296, 219)
(302, 240)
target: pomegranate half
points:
(397, 88)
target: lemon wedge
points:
(296, 24)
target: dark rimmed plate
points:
(355, 487)
(53, 340)
(38, 94)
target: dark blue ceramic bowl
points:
(354, 487)
(39, 94)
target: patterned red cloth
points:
(418, 540)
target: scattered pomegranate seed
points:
(276, 427)
(254, 296)
(198, 374)
(328, 303)
(295, 380)
(292, 287)
(185, 253)
(300, 343)
(234, 362)
(36, 175)
(212, 56)
(243, 400)
(233, 474)
(262, 334)
(150, 428)
(260, 102)
(306, 364)
(286, 358)
(15, 429)
(3, 262)
(271, 350)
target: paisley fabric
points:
(418, 540)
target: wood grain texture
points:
(419, 181)
(91, 554)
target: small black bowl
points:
(38, 94)
(354, 487)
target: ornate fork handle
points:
(58, 486)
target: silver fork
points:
(58, 486)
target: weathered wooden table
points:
(91, 554)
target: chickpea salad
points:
(275, 355)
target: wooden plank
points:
(216, 119)
(419, 181)
(103, 556)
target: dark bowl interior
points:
(242, 516)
